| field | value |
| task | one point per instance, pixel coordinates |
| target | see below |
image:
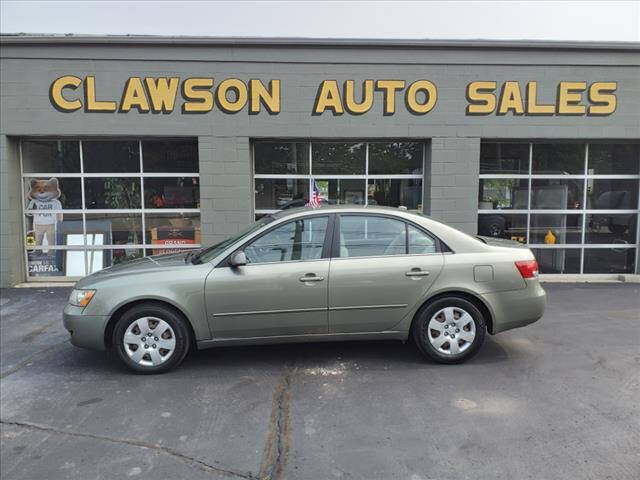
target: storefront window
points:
(172, 192)
(112, 192)
(579, 195)
(613, 159)
(503, 225)
(281, 158)
(77, 222)
(160, 156)
(358, 173)
(503, 193)
(395, 158)
(55, 156)
(504, 158)
(333, 158)
(558, 158)
(557, 193)
(558, 260)
(281, 193)
(171, 232)
(406, 192)
(110, 156)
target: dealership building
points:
(112, 148)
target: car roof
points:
(338, 209)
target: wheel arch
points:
(473, 298)
(122, 309)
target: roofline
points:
(157, 40)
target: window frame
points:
(586, 177)
(335, 243)
(310, 177)
(326, 245)
(142, 246)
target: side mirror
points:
(237, 259)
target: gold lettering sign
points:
(70, 93)
(569, 99)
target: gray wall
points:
(224, 140)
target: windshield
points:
(214, 250)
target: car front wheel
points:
(449, 330)
(151, 338)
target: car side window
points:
(301, 239)
(364, 236)
(420, 242)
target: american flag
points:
(314, 201)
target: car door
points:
(282, 290)
(382, 267)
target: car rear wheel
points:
(449, 330)
(151, 338)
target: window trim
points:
(585, 177)
(310, 177)
(325, 255)
(143, 211)
(335, 245)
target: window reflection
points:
(335, 158)
(395, 158)
(557, 193)
(172, 192)
(342, 191)
(281, 193)
(112, 192)
(612, 159)
(502, 225)
(504, 158)
(607, 194)
(110, 156)
(499, 193)
(395, 192)
(558, 158)
(51, 156)
(281, 158)
(558, 260)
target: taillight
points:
(527, 268)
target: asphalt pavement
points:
(559, 399)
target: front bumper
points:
(87, 331)
(517, 308)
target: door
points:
(385, 266)
(282, 290)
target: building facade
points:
(112, 148)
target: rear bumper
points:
(517, 308)
(87, 331)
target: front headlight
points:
(81, 298)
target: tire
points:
(159, 352)
(451, 316)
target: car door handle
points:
(311, 278)
(416, 272)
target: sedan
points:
(306, 275)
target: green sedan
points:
(305, 275)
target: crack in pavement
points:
(30, 358)
(276, 450)
(190, 461)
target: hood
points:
(501, 242)
(154, 263)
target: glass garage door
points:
(91, 204)
(287, 174)
(575, 204)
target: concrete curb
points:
(590, 278)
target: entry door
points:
(385, 267)
(281, 291)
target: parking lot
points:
(556, 400)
